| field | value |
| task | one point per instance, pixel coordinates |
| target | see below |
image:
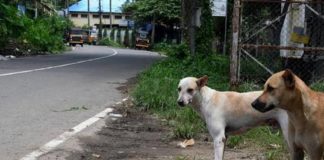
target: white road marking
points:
(58, 66)
(68, 134)
(65, 136)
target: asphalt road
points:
(44, 96)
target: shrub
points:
(12, 24)
(46, 34)
(108, 42)
(172, 50)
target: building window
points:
(106, 16)
(74, 15)
(84, 16)
(95, 16)
(118, 17)
(128, 17)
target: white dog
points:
(226, 112)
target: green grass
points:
(157, 91)
(318, 86)
(110, 43)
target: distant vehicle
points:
(76, 37)
(90, 36)
(142, 40)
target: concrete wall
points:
(81, 21)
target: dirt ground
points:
(139, 135)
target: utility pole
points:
(36, 10)
(67, 5)
(110, 14)
(89, 13)
(153, 29)
(100, 20)
(55, 4)
(182, 27)
(192, 27)
(234, 58)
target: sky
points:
(82, 6)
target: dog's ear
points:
(202, 81)
(289, 78)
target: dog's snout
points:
(258, 105)
(261, 106)
(181, 103)
(254, 103)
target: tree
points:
(172, 12)
(166, 12)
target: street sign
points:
(219, 8)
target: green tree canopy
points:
(166, 11)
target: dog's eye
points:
(179, 89)
(270, 88)
(190, 90)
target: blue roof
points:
(82, 6)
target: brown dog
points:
(305, 109)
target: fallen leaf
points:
(186, 143)
(275, 146)
(95, 155)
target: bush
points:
(108, 42)
(12, 24)
(172, 50)
(45, 34)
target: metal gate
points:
(275, 34)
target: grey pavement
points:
(38, 106)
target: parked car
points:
(76, 37)
(90, 36)
(142, 40)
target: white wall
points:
(79, 22)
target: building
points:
(78, 13)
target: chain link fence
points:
(276, 34)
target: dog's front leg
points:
(219, 146)
(296, 152)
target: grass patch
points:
(110, 43)
(318, 86)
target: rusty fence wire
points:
(276, 34)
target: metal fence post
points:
(234, 79)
